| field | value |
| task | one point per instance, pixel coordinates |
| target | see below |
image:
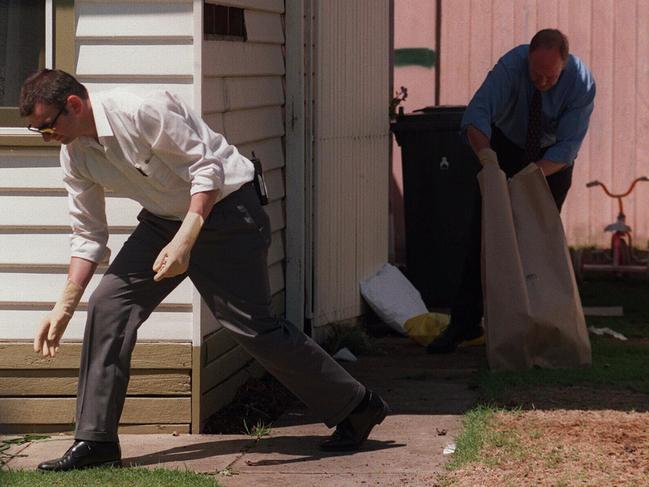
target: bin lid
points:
(442, 117)
(441, 109)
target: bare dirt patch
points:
(561, 448)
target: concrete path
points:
(428, 395)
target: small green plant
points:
(226, 472)
(21, 440)
(342, 335)
(258, 430)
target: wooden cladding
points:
(38, 394)
(145, 356)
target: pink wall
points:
(611, 36)
(414, 27)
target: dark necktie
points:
(533, 143)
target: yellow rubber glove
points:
(53, 325)
(173, 260)
(487, 156)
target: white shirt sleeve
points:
(176, 137)
(87, 208)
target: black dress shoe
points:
(448, 341)
(354, 430)
(86, 454)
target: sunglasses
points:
(47, 129)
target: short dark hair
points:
(50, 86)
(551, 39)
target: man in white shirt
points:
(201, 219)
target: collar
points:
(99, 114)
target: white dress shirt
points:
(154, 150)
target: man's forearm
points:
(81, 270)
(202, 203)
(477, 139)
(481, 146)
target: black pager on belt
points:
(260, 184)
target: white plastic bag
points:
(392, 297)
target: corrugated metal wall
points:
(612, 37)
(351, 152)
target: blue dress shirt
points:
(503, 100)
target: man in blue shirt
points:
(534, 106)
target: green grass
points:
(107, 477)
(615, 363)
(478, 437)
(475, 434)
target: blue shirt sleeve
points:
(573, 124)
(490, 99)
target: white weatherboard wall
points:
(242, 97)
(34, 249)
(351, 150)
(140, 46)
(137, 45)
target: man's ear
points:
(75, 104)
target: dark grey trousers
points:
(228, 267)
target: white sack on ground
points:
(392, 297)
(533, 313)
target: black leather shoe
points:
(448, 341)
(354, 430)
(86, 454)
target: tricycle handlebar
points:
(620, 195)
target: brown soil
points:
(563, 448)
(257, 401)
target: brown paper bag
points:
(533, 313)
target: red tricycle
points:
(621, 257)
